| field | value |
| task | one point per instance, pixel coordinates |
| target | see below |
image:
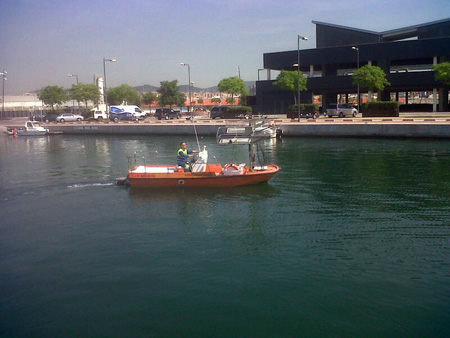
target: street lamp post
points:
(357, 65)
(3, 74)
(76, 76)
(189, 78)
(105, 96)
(299, 37)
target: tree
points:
(52, 95)
(371, 78)
(123, 93)
(234, 86)
(169, 94)
(85, 92)
(215, 100)
(442, 72)
(180, 99)
(288, 80)
(149, 98)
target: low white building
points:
(26, 105)
(22, 102)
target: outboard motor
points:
(279, 134)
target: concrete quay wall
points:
(399, 130)
(378, 129)
(135, 129)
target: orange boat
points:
(203, 174)
(214, 176)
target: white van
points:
(133, 109)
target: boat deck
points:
(154, 170)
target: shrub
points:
(240, 109)
(381, 105)
(381, 109)
(86, 114)
(308, 107)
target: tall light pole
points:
(74, 75)
(189, 78)
(299, 37)
(357, 65)
(105, 96)
(3, 74)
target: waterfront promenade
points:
(414, 125)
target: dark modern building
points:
(406, 55)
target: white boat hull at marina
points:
(23, 132)
(268, 131)
(31, 128)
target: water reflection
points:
(203, 196)
(235, 211)
(359, 225)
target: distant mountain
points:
(251, 85)
(212, 89)
(184, 88)
(146, 88)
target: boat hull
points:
(31, 133)
(31, 128)
(209, 179)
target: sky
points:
(42, 41)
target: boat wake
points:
(7, 194)
(87, 185)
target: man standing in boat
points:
(183, 156)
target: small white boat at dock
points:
(31, 128)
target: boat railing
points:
(234, 134)
(246, 134)
(134, 159)
(137, 163)
(241, 134)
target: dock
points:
(402, 127)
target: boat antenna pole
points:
(196, 135)
(251, 155)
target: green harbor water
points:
(350, 239)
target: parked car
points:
(224, 112)
(309, 115)
(122, 116)
(218, 112)
(43, 117)
(37, 117)
(341, 110)
(304, 114)
(99, 113)
(68, 117)
(167, 113)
